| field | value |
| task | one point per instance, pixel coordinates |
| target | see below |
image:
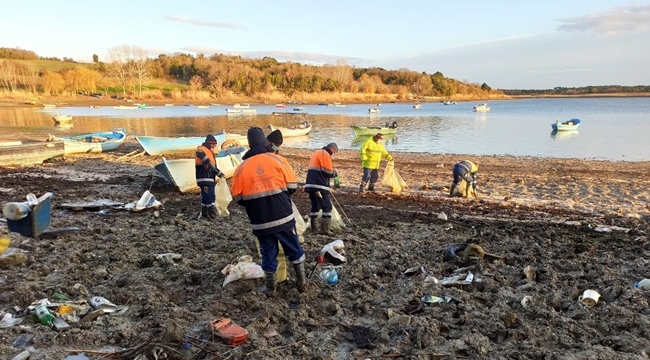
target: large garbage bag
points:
(336, 223)
(393, 179)
(224, 197)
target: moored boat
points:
(242, 106)
(31, 153)
(95, 142)
(566, 125)
(372, 130)
(181, 172)
(302, 129)
(481, 107)
(158, 145)
(62, 119)
(374, 111)
(417, 106)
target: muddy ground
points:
(537, 213)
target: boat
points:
(182, 172)
(302, 129)
(566, 125)
(156, 145)
(62, 119)
(299, 108)
(233, 111)
(242, 106)
(374, 111)
(416, 106)
(280, 105)
(202, 106)
(278, 113)
(449, 102)
(249, 111)
(92, 143)
(372, 130)
(49, 106)
(481, 107)
(125, 107)
(31, 153)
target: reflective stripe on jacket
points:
(205, 174)
(469, 166)
(320, 171)
(371, 154)
(262, 183)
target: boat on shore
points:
(302, 129)
(566, 125)
(92, 143)
(374, 111)
(181, 172)
(31, 153)
(372, 130)
(158, 145)
(481, 107)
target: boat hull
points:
(27, 154)
(287, 132)
(572, 124)
(181, 172)
(93, 143)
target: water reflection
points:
(564, 135)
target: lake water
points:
(612, 128)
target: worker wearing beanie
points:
(206, 173)
(263, 183)
(275, 140)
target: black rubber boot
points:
(271, 284)
(212, 212)
(300, 276)
(315, 226)
(204, 212)
(325, 226)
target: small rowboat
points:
(303, 129)
(372, 130)
(90, 143)
(566, 125)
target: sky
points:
(507, 44)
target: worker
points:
(274, 141)
(206, 172)
(372, 151)
(465, 170)
(263, 183)
(318, 186)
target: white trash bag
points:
(244, 269)
(223, 196)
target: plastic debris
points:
(8, 320)
(419, 269)
(330, 276)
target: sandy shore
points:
(574, 224)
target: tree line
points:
(128, 70)
(584, 90)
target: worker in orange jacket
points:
(317, 185)
(206, 174)
(263, 183)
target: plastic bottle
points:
(44, 315)
(16, 210)
(32, 199)
(330, 276)
(643, 284)
(337, 182)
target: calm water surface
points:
(612, 128)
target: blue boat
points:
(92, 143)
(181, 172)
(566, 125)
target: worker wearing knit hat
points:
(206, 172)
(275, 140)
(255, 137)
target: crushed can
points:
(229, 332)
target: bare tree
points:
(8, 75)
(118, 65)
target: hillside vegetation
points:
(128, 71)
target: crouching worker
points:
(206, 174)
(262, 184)
(465, 170)
(318, 186)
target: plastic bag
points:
(244, 269)
(301, 226)
(460, 190)
(224, 197)
(393, 179)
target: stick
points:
(127, 155)
(339, 205)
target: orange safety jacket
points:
(206, 166)
(262, 184)
(320, 171)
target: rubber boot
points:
(300, 276)
(212, 212)
(204, 212)
(371, 187)
(271, 283)
(451, 191)
(325, 226)
(315, 226)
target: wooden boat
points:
(181, 172)
(302, 129)
(372, 130)
(95, 142)
(566, 125)
(62, 119)
(32, 153)
(156, 145)
(481, 107)
(374, 111)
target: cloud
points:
(633, 18)
(205, 23)
(301, 57)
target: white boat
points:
(90, 143)
(481, 107)
(302, 129)
(242, 106)
(449, 102)
(62, 119)
(182, 172)
(202, 106)
(374, 111)
(416, 106)
(233, 111)
(566, 125)
(124, 107)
